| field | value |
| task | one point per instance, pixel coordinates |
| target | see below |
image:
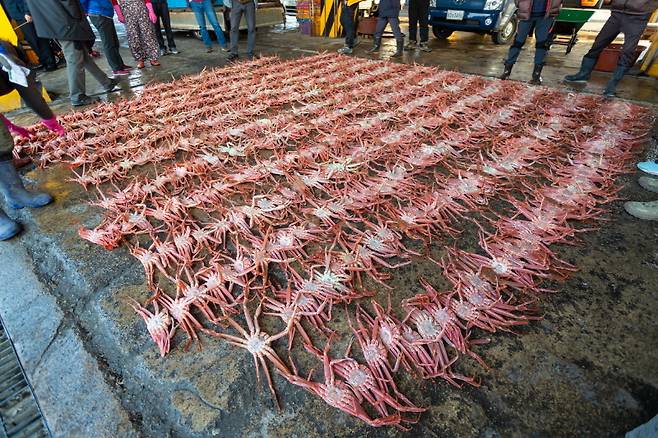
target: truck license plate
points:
(455, 15)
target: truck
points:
(268, 13)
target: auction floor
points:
(588, 368)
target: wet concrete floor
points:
(589, 368)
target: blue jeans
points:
(542, 27)
(201, 11)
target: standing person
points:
(389, 13)
(11, 186)
(629, 17)
(100, 14)
(203, 9)
(238, 8)
(540, 16)
(348, 14)
(139, 17)
(65, 21)
(419, 11)
(18, 11)
(161, 10)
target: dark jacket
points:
(60, 20)
(524, 8)
(16, 9)
(389, 8)
(634, 7)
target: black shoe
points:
(85, 100)
(506, 72)
(536, 75)
(232, 57)
(114, 82)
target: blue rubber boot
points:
(15, 194)
(650, 167)
(8, 228)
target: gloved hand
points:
(54, 126)
(120, 16)
(15, 129)
(152, 15)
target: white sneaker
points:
(345, 50)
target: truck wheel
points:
(441, 33)
(506, 34)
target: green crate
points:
(580, 16)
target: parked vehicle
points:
(494, 17)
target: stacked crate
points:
(304, 16)
(307, 12)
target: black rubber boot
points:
(399, 48)
(506, 72)
(375, 46)
(15, 194)
(614, 80)
(8, 228)
(586, 67)
(536, 75)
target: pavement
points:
(588, 368)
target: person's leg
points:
(543, 28)
(96, 72)
(8, 228)
(399, 38)
(110, 40)
(347, 21)
(157, 8)
(212, 18)
(632, 26)
(519, 40)
(250, 12)
(75, 70)
(606, 35)
(236, 16)
(131, 15)
(148, 40)
(413, 22)
(424, 15)
(166, 23)
(227, 20)
(201, 21)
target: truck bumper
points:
(473, 21)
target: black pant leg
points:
(608, 33)
(632, 26)
(413, 19)
(157, 8)
(166, 23)
(424, 19)
(39, 45)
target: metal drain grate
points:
(20, 415)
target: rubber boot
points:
(586, 67)
(506, 72)
(375, 46)
(536, 75)
(614, 80)
(15, 194)
(399, 48)
(643, 210)
(8, 228)
(648, 183)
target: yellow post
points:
(12, 101)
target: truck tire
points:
(441, 33)
(506, 34)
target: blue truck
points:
(494, 17)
